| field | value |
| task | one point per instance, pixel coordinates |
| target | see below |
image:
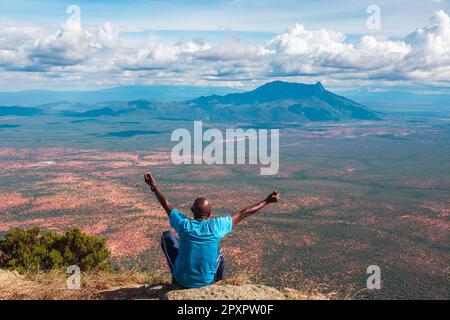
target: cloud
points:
(430, 45)
(16, 39)
(104, 54)
(71, 45)
(157, 54)
(310, 51)
(232, 48)
(299, 41)
(108, 36)
(423, 55)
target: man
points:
(195, 259)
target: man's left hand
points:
(273, 197)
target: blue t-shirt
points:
(198, 249)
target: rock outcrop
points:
(227, 292)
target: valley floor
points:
(353, 195)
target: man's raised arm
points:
(239, 216)
(167, 206)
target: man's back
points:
(194, 259)
(197, 259)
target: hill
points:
(19, 111)
(283, 102)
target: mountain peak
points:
(285, 101)
(319, 86)
(284, 84)
(286, 90)
(271, 91)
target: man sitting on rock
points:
(195, 259)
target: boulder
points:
(226, 292)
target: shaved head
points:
(201, 208)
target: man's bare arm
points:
(167, 206)
(241, 215)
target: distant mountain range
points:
(272, 102)
(400, 97)
(20, 111)
(124, 93)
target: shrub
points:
(32, 250)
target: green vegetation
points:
(33, 250)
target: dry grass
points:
(243, 277)
(125, 278)
(52, 285)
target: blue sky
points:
(400, 17)
(222, 43)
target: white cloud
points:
(108, 36)
(231, 48)
(324, 48)
(16, 39)
(423, 55)
(157, 54)
(104, 54)
(431, 44)
(69, 46)
(299, 41)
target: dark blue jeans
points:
(169, 246)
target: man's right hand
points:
(273, 197)
(168, 207)
(150, 180)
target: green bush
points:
(32, 250)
